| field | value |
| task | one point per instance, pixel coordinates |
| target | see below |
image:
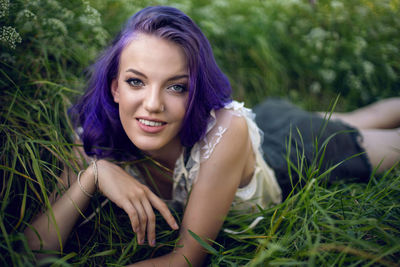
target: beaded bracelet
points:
(96, 174)
(80, 185)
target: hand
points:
(135, 198)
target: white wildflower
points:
(337, 5)
(53, 5)
(67, 15)
(315, 87)
(56, 25)
(221, 4)
(354, 82)
(4, 5)
(328, 75)
(91, 16)
(317, 34)
(9, 36)
(100, 35)
(359, 45)
(25, 15)
(368, 67)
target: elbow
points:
(32, 239)
(37, 242)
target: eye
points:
(135, 82)
(178, 88)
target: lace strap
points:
(209, 145)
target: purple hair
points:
(97, 113)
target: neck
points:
(166, 157)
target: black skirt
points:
(310, 143)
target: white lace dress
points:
(262, 190)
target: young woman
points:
(157, 97)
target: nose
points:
(153, 102)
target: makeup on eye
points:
(134, 82)
(176, 88)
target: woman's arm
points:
(211, 196)
(118, 186)
(66, 213)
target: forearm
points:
(66, 211)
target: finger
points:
(142, 221)
(163, 209)
(151, 223)
(133, 216)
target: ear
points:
(115, 90)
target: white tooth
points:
(150, 123)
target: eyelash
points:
(130, 81)
(134, 82)
(182, 87)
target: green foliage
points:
(293, 48)
(344, 225)
(58, 39)
(45, 44)
(306, 52)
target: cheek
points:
(177, 106)
(128, 102)
(181, 111)
(185, 104)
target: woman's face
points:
(151, 90)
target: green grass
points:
(275, 52)
(343, 225)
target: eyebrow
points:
(173, 78)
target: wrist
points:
(86, 181)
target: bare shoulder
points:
(236, 136)
(239, 125)
(233, 122)
(231, 152)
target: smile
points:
(151, 123)
(151, 126)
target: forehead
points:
(150, 54)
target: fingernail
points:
(141, 241)
(153, 242)
(176, 226)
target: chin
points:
(148, 145)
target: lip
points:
(148, 128)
